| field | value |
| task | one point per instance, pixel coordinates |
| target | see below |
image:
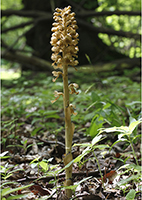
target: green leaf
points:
(44, 165)
(136, 137)
(123, 129)
(55, 116)
(4, 153)
(15, 145)
(95, 126)
(78, 158)
(85, 151)
(127, 180)
(133, 125)
(72, 187)
(8, 183)
(35, 131)
(5, 157)
(82, 145)
(68, 165)
(35, 120)
(132, 166)
(7, 191)
(107, 105)
(95, 97)
(96, 139)
(131, 195)
(101, 146)
(120, 140)
(35, 160)
(17, 196)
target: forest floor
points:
(107, 163)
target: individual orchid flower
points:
(57, 95)
(73, 87)
(72, 108)
(57, 74)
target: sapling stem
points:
(131, 143)
(99, 169)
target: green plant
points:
(105, 112)
(44, 164)
(24, 146)
(6, 192)
(64, 41)
(89, 148)
(126, 134)
(134, 176)
(9, 127)
(6, 171)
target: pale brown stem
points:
(68, 132)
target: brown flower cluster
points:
(64, 38)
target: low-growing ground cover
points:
(32, 138)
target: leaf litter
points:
(36, 165)
(34, 156)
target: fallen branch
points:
(28, 60)
(118, 65)
(74, 174)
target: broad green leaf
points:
(82, 145)
(44, 165)
(53, 116)
(4, 153)
(108, 130)
(5, 191)
(123, 129)
(78, 158)
(95, 126)
(85, 151)
(35, 120)
(131, 118)
(133, 125)
(35, 131)
(96, 139)
(131, 195)
(101, 146)
(132, 166)
(107, 105)
(127, 180)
